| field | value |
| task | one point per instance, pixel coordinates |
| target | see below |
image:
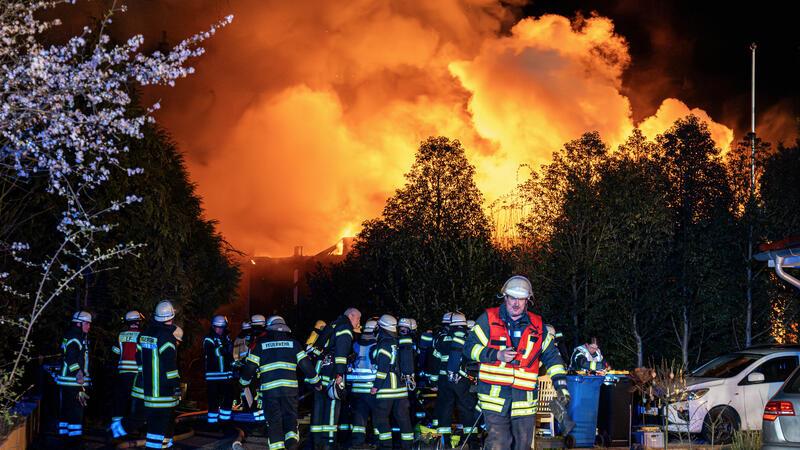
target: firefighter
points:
(511, 343)
(258, 330)
(437, 363)
(218, 352)
(273, 363)
(405, 342)
(391, 395)
(408, 353)
(160, 379)
(332, 367)
(424, 353)
(313, 342)
(242, 342)
(74, 378)
(587, 357)
(360, 378)
(127, 368)
(453, 383)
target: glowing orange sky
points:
(303, 116)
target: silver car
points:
(781, 423)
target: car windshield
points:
(725, 366)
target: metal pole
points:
(753, 119)
(751, 200)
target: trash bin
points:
(585, 397)
(614, 412)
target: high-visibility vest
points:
(126, 349)
(523, 371)
(362, 370)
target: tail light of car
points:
(775, 409)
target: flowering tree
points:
(65, 115)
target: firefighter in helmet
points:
(511, 343)
(273, 363)
(218, 354)
(453, 382)
(332, 368)
(125, 348)
(391, 394)
(158, 355)
(360, 378)
(74, 378)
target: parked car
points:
(781, 426)
(729, 392)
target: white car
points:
(729, 392)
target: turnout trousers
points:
(398, 409)
(70, 414)
(325, 419)
(122, 396)
(281, 418)
(220, 399)
(362, 406)
(454, 396)
(160, 427)
(131, 422)
(507, 432)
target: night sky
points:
(703, 48)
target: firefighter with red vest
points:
(125, 348)
(510, 343)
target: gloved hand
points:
(83, 397)
(454, 377)
(563, 396)
(79, 377)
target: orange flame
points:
(303, 116)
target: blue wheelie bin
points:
(585, 398)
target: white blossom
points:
(65, 116)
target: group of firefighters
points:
(381, 373)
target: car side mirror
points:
(755, 378)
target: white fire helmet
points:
(276, 323)
(388, 322)
(246, 326)
(133, 316)
(82, 317)
(369, 326)
(257, 320)
(336, 391)
(405, 322)
(164, 311)
(219, 321)
(517, 287)
(446, 318)
(458, 320)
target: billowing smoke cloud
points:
(672, 109)
(303, 116)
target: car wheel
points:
(720, 424)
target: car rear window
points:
(793, 383)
